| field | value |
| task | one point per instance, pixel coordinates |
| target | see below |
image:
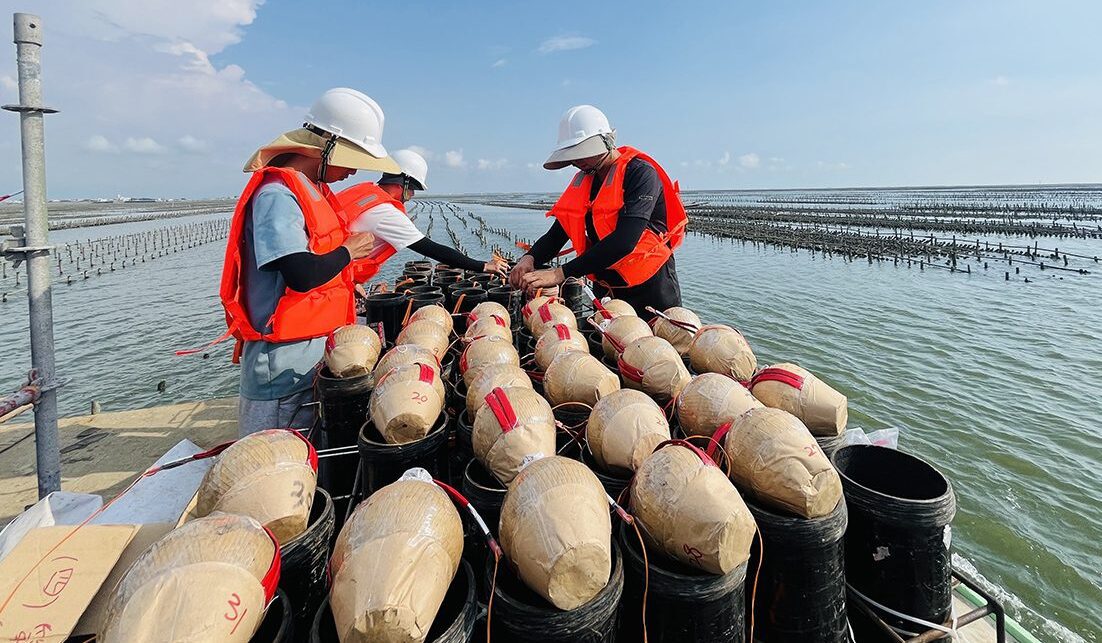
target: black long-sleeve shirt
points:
(304, 271)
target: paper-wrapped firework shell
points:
(618, 308)
(513, 426)
(404, 355)
(488, 308)
(621, 331)
(722, 349)
(549, 314)
(352, 350)
(406, 403)
(775, 458)
(490, 377)
(393, 562)
(425, 333)
(556, 529)
(558, 339)
(436, 314)
(690, 510)
(529, 309)
(575, 376)
(490, 325)
(679, 337)
(653, 366)
(709, 400)
(208, 580)
(623, 429)
(821, 408)
(269, 476)
(484, 352)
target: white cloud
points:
(8, 83)
(566, 82)
(1001, 81)
(565, 43)
(725, 159)
(684, 164)
(146, 70)
(454, 158)
(428, 154)
(832, 166)
(99, 143)
(494, 164)
(144, 145)
(500, 62)
(750, 160)
(531, 166)
(189, 143)
(702, 163)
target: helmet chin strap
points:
(326, 151)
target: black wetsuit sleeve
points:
(445, 254)
(304, 271)
(546, 247)
(642, 188)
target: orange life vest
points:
(653, 249)
(298, 315)
(356, 200)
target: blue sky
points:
(169, 100)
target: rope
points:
(951, 630)
(646, 580)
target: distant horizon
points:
(985, 186)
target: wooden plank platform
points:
(102, 453)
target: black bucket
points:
(485, 493)
(454, 622)
(898, 549)
(610, 362)
(828, 444)
(507, 297)
(421, 300)
(383, 463)
(343, 402)
(574, 416)
(521, 615)
(388, 308)
(450, 296)
(482, 280)
(304, 573)
(343, 407)
(464, 429)
(403, 282)
(419, 264)
(471, 297)
(801, 589)
(684, 605)
(574, 296)
(614, 485)
(422, 289)
(278, 625)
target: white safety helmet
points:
(413, 166)
(584, 131)
(351, 115)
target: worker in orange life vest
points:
(621, 213)
(287, 281)
(379, 208)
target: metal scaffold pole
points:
(35, 248)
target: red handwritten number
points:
(420, 398)
(233, 615)
(693, 553)
(811, 450)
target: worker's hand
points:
(537, 279)
(526, 265)
(495, 266)
(359, 244)
(360, 290)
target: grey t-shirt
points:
(274, 228)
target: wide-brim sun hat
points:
(303, 141)
(592, 146)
